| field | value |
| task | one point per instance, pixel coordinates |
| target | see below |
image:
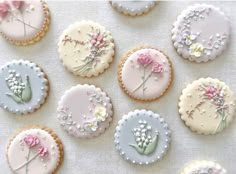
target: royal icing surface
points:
(33, 151)
(22, 20)
(85, 111)
(133, 8)
(201, 33)
(24, 87)
(207, 106)
(146, 74)
(203, 167)
(86, 48)
(142, 137)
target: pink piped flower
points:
(157, 67)
(42, 151)
(144, 59)
(211, 91)
(18, 4)
(4, 8)
(31, 140)
(97, 40)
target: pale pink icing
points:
(31, 12)
(77, 103)
(133, 71)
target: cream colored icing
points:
(201, 33)
(203, 167)
(18, 152)
(132, 73)
(207, 106)
(31, 13)
(84, 111)
(84, 54)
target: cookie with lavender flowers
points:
(24, 22)
(142, 137)
(86, 48)
(203, 167)
(133, 8)
(207, 106)
(35, 150)
(201, 33)
(85, 111)
(24, 87)
(145, 73)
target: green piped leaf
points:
(27, 92)
(151, 146)
(15, 98)
(137, 148)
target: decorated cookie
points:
(36, 150)
(86, 48)
(203, 167)
(24, 87)
(142, 137)
(201, 33)
(23, 22)
(145, 73)
(84, 111)
(133, 8)
(207, 106)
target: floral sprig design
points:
(216, 96)
(21, 91)
(32, 141)
(189, 39)
(145, 143)
(145, 60)
(6, 9)
(97, 47)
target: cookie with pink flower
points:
(86, 48)
(24, 22)
(35, 150)
(145, 73)
(207, 106)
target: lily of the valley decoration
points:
(146, 143)
(20, 91)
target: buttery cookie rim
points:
(212, 93)
(126, 57)
(98, 39)
(37, 36)
(31, 141)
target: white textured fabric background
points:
(99, 155)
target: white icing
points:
(200, 112)
(32, 13)
(18, 151)
(38, 82)
(124, 136)
(75, 49)
(132, 73)
(133, 8)
(78, 107)
(203, 167)
(204, 25)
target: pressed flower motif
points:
(4, 8)
(157, 67)
(196, 50)
(144, 59)
(100, 113)
(31, 140)
(43, 151)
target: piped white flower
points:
(196, 50)
(100, 113)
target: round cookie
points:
(207, 106)
(133, 8)
(24, 22)
(85, 111)
(203, 167)
(86, 48)
(145, 73)
(142, 137)
(24, 87)
(201, 33)
(36, 150)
